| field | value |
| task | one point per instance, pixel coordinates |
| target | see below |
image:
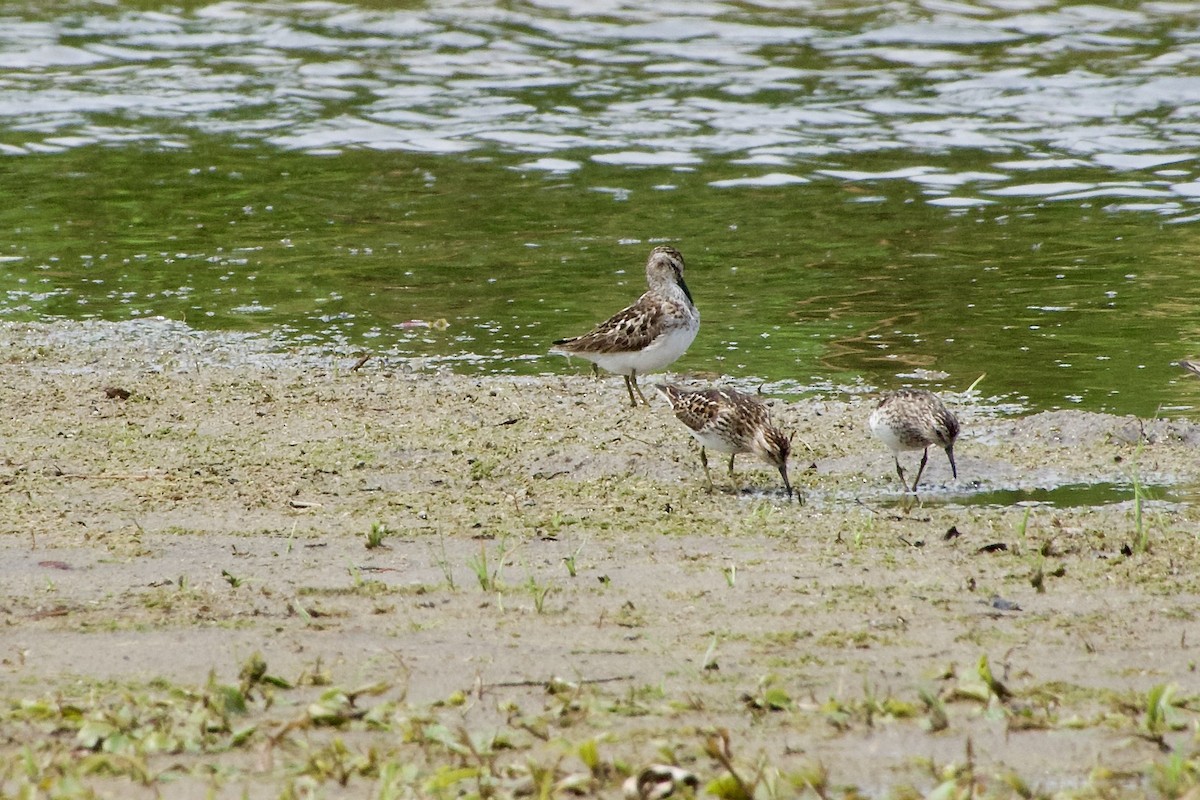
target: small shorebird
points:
(730, 422)
(913, 419)
(648, 335)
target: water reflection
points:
(625, 84)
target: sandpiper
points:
(648, 335)
(730, 422)
(913, 419)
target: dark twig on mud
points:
(582, 681)
(116, 477)
(890, 516)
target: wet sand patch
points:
(551, 569)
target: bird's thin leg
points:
(707, 474)
(732, 479)
(629, 388)
(920, 469)
(633, 377)
(900, 472)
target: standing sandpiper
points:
(648, 335)
(913, 419)
(730, 422)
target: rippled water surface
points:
(866, 193)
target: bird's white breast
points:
(885, 432)
(664, 350)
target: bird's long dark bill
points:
(950, 455)
(683, 286)
(786, 483)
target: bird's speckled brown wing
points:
(741, 414)
(630, 329)
(737, 414)
(696, 409)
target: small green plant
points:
(956, 780)
(589, 753)
(1141, 532)
(443, 562)
(482, 468)
(571, 561)
(479, 566)
(557, 520)
(376, 535)
(1019, 785)
(768, 697)
(1141, 540)
(1160, 714)
(538, 592)
(231, 579)
(758, 779)
(709, 662)
(489, 578)
(1038, 579)
(762, 512)
(936, 718)
(994, 686)
(1023, 528)
(730, 573)
(1176, 777)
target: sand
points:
(554, 585)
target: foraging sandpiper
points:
(730, 422)
(648, 335)
(913, 419)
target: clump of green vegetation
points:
(311, 734)
(488, 572)
(1141, 531)
(539, 592)
(572, 561)
(739, 780)
(376, 535)
(443, 563)
(768, 696)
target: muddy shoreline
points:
(535, 529)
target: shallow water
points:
(1071, 495)
(867, 194)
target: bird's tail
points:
(668, 391)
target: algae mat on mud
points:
(237, 572)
